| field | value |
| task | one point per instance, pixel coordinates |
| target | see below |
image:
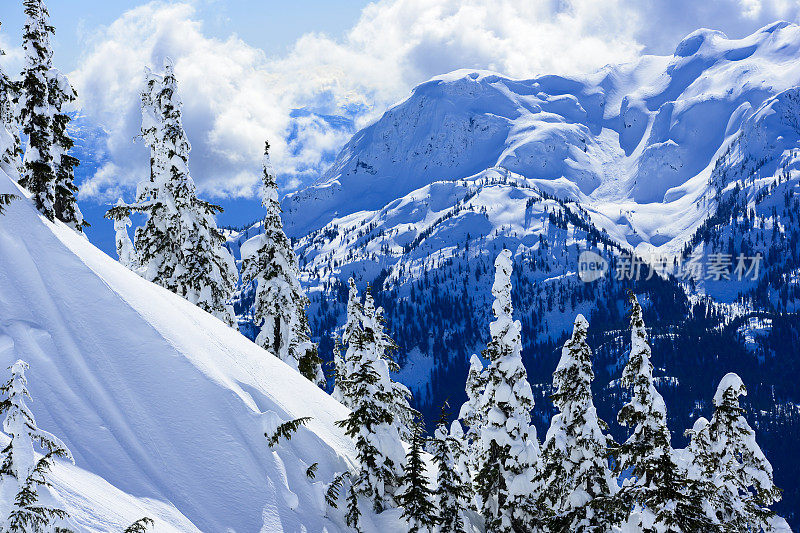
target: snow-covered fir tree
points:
(416, 497)
(725, 453)
(280, 303)
(125, 250)
(353, 341)
(24, 478)
(61, 93)
(36, 113)
(508, 447)
(10, 146)
(369, 392)
(179, 246)
(577, 485)
(472, 412)
(659, 495)
(453, 489)
(380, 343)
(338, 369)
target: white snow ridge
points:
(157, 400)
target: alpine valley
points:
(680, 158)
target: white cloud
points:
(236, 96)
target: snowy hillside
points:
(155, 397)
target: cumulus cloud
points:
(236, 96)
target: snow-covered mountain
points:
(683, 156)
(634, 143)
(164, 408)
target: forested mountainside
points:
(691, 157)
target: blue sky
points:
(307, 74)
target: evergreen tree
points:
(19, 464)
(280, 304)
(179, 246)
(659, 492)
(60, 92)
(10, 146)
(353, 340)
(453, 491)
(471, 412)
(372, 423)
(38, 172)
(508, 447)
(125, 250)
(576, 482)
(382, 345)
(417, 496)
(338, 370)
(726, 452)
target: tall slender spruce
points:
(416, 497)
(508, 448)
(10, 146)
(453, 489)
(60, 94)
(577, 485)
(38, 170)
(659, 496)
(373, 422)
(179, 246)
(280, 304)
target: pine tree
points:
(659, 492)
(726, 452)
(382, 345)
(60, 92)
(280, 305)
(10, 146)
(453, 491)
(338, 370)
(19, 464)
(508, 447)
(179, 246)
(471, 412)
(38, 172)
(353, 340)
(417, 496)
(577, 484)
(125, 250)
(373, 422)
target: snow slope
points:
(156, 397)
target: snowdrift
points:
(154, 396)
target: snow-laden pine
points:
(179, 246)
(508, 448)
(471, 413)
(453, 491)
(125, 250)
(60, 94)
(379, 409)
(38, 172)
(48, 167)
(10, 146)
(724, 452)
(25, 503)
(576, 484)
(658, 496)
(416, 497)
(280, 303)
